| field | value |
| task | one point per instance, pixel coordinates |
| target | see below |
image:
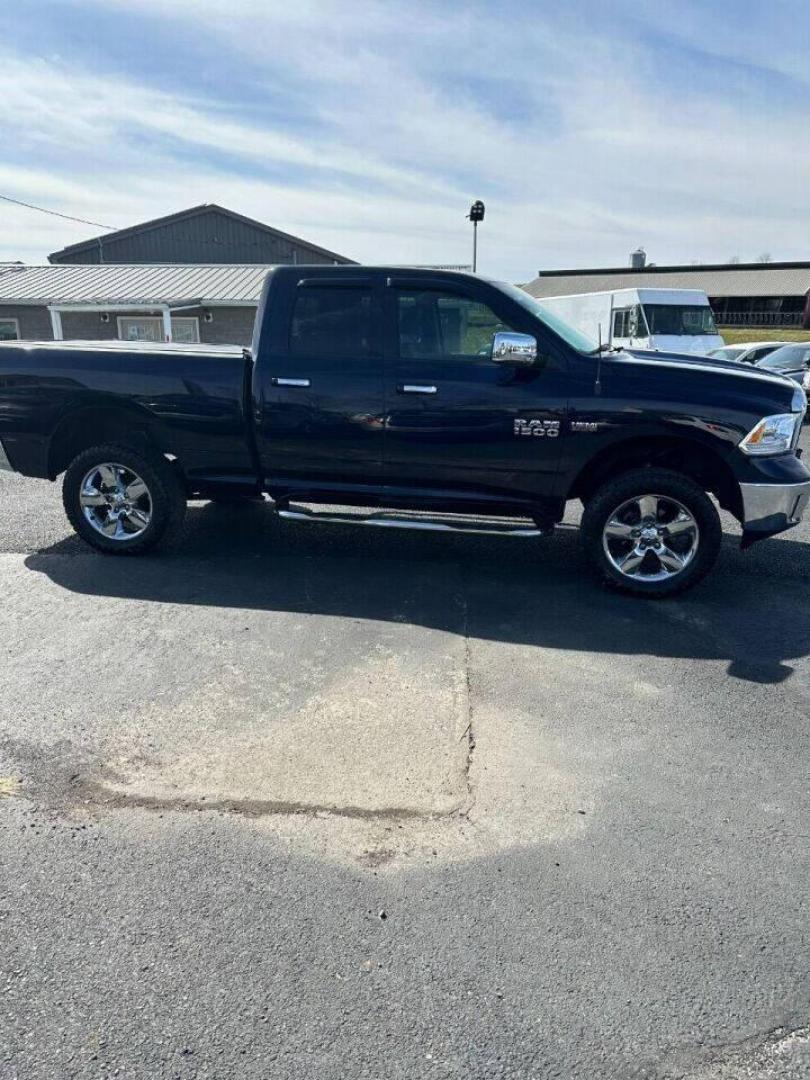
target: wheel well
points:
(96, 425)
(704, 465)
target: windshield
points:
(788, 358)
(726, 354)
(580, 342)
(680, 319)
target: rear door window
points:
(334, 323)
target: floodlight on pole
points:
(475, 215)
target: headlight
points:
(773, 434)
(806, 380)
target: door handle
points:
(278, 381)
(416, 388)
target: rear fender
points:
(91, 425)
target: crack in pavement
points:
(61, 787)
(102, 797)
(469, 731)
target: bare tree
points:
(734, 260)
(765, 257)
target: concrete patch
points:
(526, 785)
(381, 737)
(184, 703)
(356, 737)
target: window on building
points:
(434, 324)
(9, 330)
(333, 323)
(187, 330)
(150, 328)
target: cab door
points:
(454, 419)
(321, 406)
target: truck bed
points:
(191, 398)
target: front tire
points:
(651, 532)
(121, 501)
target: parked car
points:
(368, 387)
(792, 360)
(751, 352)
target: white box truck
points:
(666, 320)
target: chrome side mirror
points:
(519, 350)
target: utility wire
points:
(55, 213)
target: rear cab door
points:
(318, 380)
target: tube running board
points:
(454, 523)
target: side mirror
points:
(520, 350)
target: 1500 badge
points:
(549, 429)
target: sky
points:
(589, 128)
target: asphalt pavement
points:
(309, 802)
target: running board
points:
(454, 524)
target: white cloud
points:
(603, 153)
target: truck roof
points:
(642, 296)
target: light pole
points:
(475, 215)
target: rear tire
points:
(121, 501)
(651, 532)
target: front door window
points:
(435, 325)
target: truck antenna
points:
(597, 386)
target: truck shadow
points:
(753, 611)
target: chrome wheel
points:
(116, 501)
(650, 538)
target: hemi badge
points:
(584, 425)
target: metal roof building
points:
(145, 302)
(741, 294)
(202, 234)
(143, 284)
(195, 275)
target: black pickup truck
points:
(438, 400)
